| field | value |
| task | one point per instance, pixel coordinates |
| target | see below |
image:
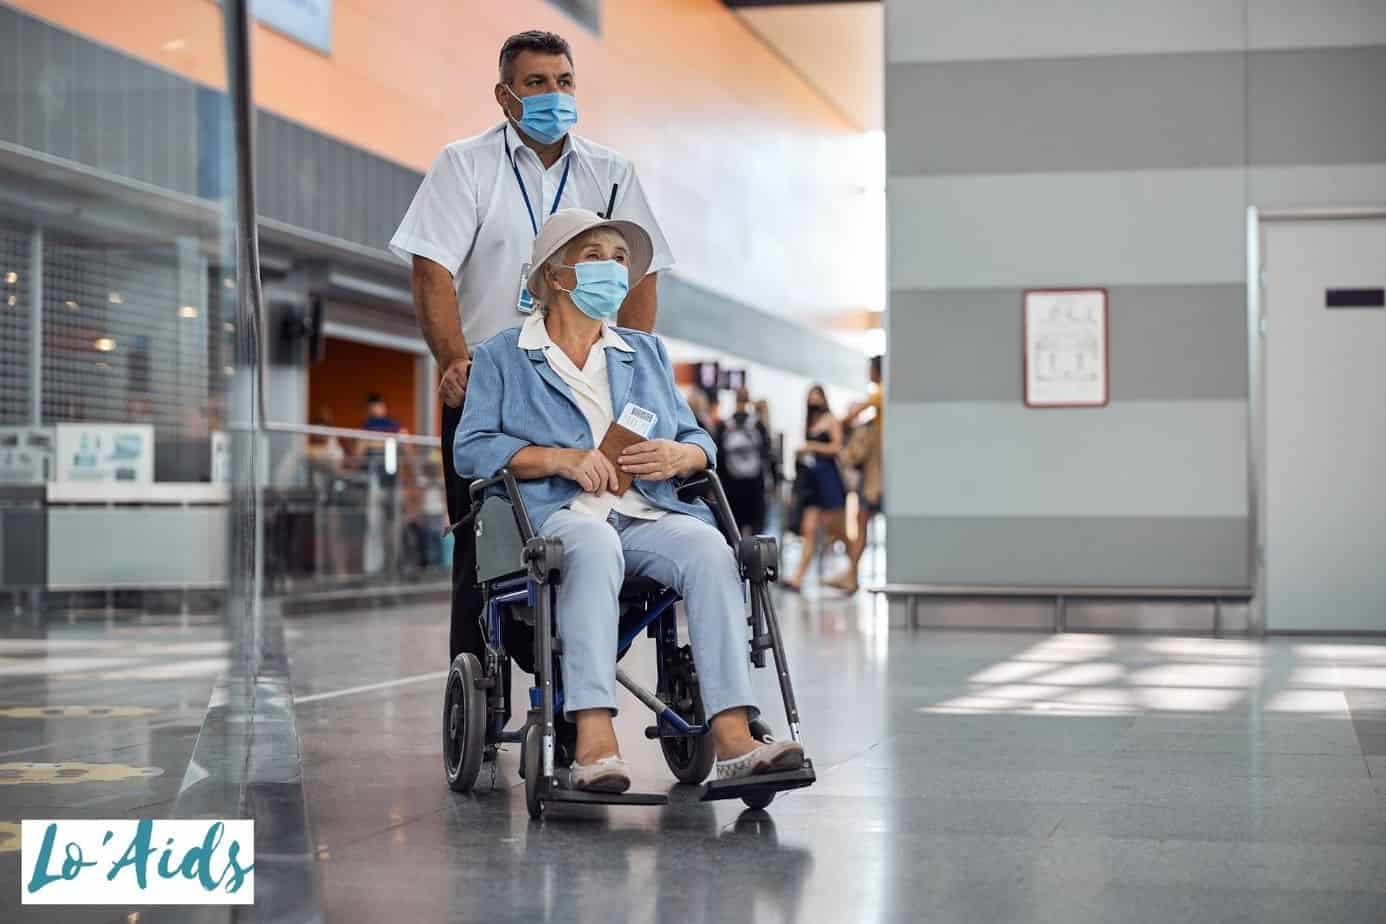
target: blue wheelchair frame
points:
(525, 592)
(533, 585)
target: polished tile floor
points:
(966, 777)
(98, 718)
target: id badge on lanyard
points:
(524, 302)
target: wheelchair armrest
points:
(707, 487)
(512, 493)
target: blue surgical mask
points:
(547, 116)
(601, 288)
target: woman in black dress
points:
(818, 481)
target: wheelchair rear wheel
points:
(531, 756)
(464, 723)
(689, 758)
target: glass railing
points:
(353, 509)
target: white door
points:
(1325, 425)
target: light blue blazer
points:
(516, 399)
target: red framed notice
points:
(1065, 361)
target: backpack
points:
(740, 454)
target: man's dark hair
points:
(374, 398)
(544, 43)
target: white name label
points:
(139, 862)
(638, 420)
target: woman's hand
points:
(660, 460)
(593, 471)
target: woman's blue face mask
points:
(601, 287)
(547, 116)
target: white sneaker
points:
(772, 757)
(608, 774)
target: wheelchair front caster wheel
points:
(464, 723)
(758, 800)
(690, 757)
(532, 759)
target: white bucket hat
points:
(566, 224)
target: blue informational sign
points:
(308, 21)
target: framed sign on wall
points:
(1065, 343)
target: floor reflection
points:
(963, 776)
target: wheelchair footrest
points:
(563, 794)
(766, 782)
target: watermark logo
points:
(142, 862)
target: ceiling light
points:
(11, 277)
(11, 300)
(72, 304)
(105, 344)
(187, 311)
(116, 298)
(228, 327)
(229, 283)
(228, 370)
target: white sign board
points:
(26, 455)
(1065, 347)
(106, 453)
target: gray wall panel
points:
(959, 30)
(1066, 114)
(1110, 143)
(1305, 186)
(1090, 551)
(958, 345)
(1136, 458)
(1297, 24)
(1166, 343)
(1133, 227)
(1317, 106)
(11, 70)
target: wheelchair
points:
(519, 572)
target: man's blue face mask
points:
(601, 287)
(547, 117)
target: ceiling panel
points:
(837, 47)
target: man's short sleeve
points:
(633, 206)
(442, 220)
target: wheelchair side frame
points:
(534, 585)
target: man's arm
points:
(641, 305)
(435, 303)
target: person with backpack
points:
(743, 463)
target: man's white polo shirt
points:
(470, 216)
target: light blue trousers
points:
(679, 551)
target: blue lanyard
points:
(562, 183)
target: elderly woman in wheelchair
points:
(543, 400)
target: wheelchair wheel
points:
(758, 800)
(690, 757)
(464, 723)
(531, 759)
